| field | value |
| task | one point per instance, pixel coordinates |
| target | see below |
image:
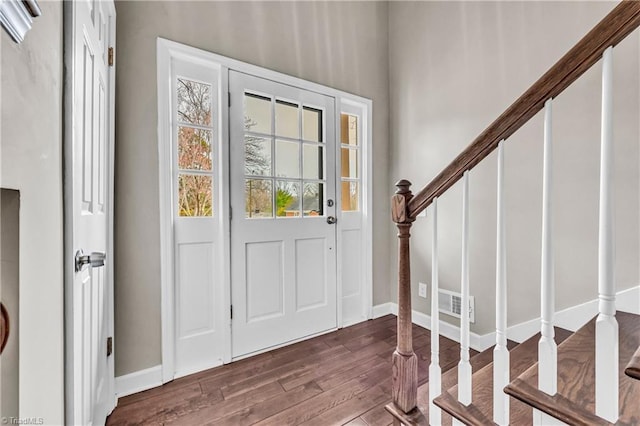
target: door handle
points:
(331, 220)
(95, 259)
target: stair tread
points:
(521, 357)
(450, 378)
(469, 415)
(420, 416)
(576, 371)
(633, 368)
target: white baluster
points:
(606, 324)
(464, 366)
(435, 373)
(547, 348)
(500, 352)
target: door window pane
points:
(288, 165)
(257, 156)
(287, 120)
(350, 196)
(287, 159)
(312, 162)
(257, 114)
(195, 195)
(194, 102)
(194, 148)
(287, 199)
(312, 199)
(349, 163)
(312, 124)
(349, 129)
(258, 198)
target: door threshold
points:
(290, 342)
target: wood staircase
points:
(575, 401)
(522, 356)
(590, 377)
(573, 404)
(420, 415)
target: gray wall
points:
(338, 44)
(454, 67)
(438, 74)
(31, 162)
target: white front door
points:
(89, 98)
(283, 237)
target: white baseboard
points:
(576, 316)
(139, 381)
(571, 319)
(381, 310)
(450, 331)
(447, 330)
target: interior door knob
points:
(95, 259)
(331, 220)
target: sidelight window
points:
(350, 153)
(194, 136)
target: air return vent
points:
(450, 303)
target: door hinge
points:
(229, 98)
(231, 309)
(111, 58)
(109, 346)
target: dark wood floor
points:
(339, 378)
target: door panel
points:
(196, 331)
(283, 267)
(311, 273)
(88, 186)
(265, 280)
(194, 266)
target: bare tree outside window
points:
(195, 191)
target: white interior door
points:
(90, 395)
(283, 237)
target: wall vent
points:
(450, 303)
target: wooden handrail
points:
(611, 30)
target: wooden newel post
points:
(404, 362)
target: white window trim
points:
(167, 51)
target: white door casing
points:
(283, 250)
(88, 182)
